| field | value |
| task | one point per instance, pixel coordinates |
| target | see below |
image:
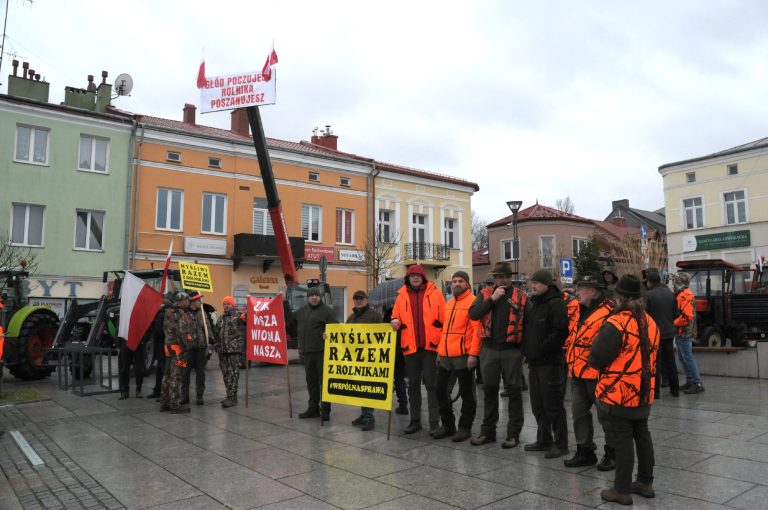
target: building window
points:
(346, 182)
(214, 214)
(693, 210)
(311, 222)
(733, 169)
(690, 177)
(547, 246)
(89, 230)
(27, 225)
(419, 231)
(170, 207)
(450, 232)
(214, 162)
(262, 222)
(94, 153)
(510, 249)
(31, 145)
(578, 244)
(173, 156)
(386, 226)
(345, 220)
(314, 176)
(735, 207)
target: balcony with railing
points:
(428, 252)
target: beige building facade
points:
(717, 205)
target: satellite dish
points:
(123, 84)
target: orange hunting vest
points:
(516, 312)
(620, 384)
(574, 312)
(579, 342)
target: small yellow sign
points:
(195, 277)
(359, 365)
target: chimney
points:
(27, 84)
(620, 203)
(91, 86)
(189, 113)
(327, 138)
(240, 123)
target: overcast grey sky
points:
(531, 100)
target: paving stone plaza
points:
(100, 452)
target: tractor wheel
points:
(712, 337)
(34, 341)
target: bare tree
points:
(479, 232)
(565, 205)
(15, 257)
(629, 256)
(380, 255)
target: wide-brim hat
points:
(502, 268)
(591, 280)
(629, 286)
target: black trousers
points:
(126, 358)
(495, 365)
(466, 391)
(625, 432)
(547, 396)
(196, 360)
(401, 389)
(665, 364)
(421, 367)
(313, 368)
(159, 366)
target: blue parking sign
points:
(566, 271)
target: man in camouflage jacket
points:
(230, 344)
(198, 350)
(178, 326)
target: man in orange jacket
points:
(418, 315)
(458, 353)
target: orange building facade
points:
(200, 188)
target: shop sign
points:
(723, 240)
(351, 255)
(314, 253)
(205, 246)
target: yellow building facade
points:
(717, 205)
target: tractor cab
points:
(729, 302)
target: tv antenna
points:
(123, 84)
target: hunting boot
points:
(608, 462)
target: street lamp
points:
(514, 206)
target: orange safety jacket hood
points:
(460, 334)
(433, 311)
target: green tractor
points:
(29, 330)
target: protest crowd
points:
(612, 337)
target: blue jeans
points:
(685, 353)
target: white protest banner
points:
(237, 91)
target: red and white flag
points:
(266, 71)
(201, 75)
(139, 303)
(165, 270)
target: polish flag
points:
(201, 75)
(139, 303)
(165, 270)
(266, 71)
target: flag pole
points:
(247, 369)
(389, 423)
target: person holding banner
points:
(230, 344)
(198, 350)
(458, 353)
(363, 314)
(310, 321)
(418, 315)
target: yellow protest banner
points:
(359, 365)
(195, 277)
